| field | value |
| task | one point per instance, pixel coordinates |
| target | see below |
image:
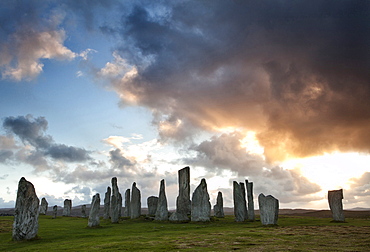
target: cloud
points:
(359, 190)
(32, 131)
(295, 73)
(225, 152)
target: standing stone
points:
(152, 202)
(335, 203)
(269, 209)
(106, 214)
(67, 207)
(94, 220)
(127, 211)
(135, 205)
(242, 187)
(55, 211)
(251, 215)
(26, 213)
(83, 211)
(161, 213)
(115, 206)
(119, 205)
(43, 206)
(200, 205)
(218, 209)
(239, 202)
(183, 203)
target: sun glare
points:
(331, 171)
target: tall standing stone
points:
(335, 203)
(107, 196)
(135, 205)
(200, 205)
(67, 207)
(239, 202)
(83, 211)
(218, 209)
(183, 203)
(43, 206)
(152, 202)
(94, 220)
(55, 211)
(161, 213)
(127, 211)
(242, 187)
(26, 214)
(119, 205)
(269, 209)
(251, 215)
(115, 205)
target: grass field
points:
(293, 233)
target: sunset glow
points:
(276, 93)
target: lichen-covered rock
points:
(43, 206)
(94, 220)
(135, 205)
(127, 211)
(107, 196)
(161, 213)
(83, 211)
(239, 202)
(218, 209)
(269, 209)
(251, 215)
(152, 203)
(26, 212)
(335, 203)
(200, 205)
(115, 202)
(67, 207)
(55, 211)
(183, 203)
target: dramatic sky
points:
(273, 91)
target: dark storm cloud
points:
(295, 72)
(32, 131)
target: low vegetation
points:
(293, 233)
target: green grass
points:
(292, 233)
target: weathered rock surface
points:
(43, 206)
(335, 203)
(55, 211)
(251, 215)
(107, 196)
(67, 207)
(183, 203)
(26, 213)
(269, 209)
(242, 187)
(115, 205)
(218, 209)
(161, 213)
(83, 211)
(200, 205)
(127, 211)
(152, 202)
(135, 205)
(239, 202)
(94, 220)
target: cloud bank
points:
(295, 73)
